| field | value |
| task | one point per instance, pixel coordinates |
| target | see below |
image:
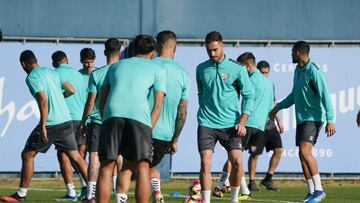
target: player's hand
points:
(83, 129)
(43, 135)
(273, 113)
(240, 129)
(173, 147)
(281, 127)
(358, 119)
(330, 129)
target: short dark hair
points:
(87, 53)
(262, 64)
(162, 37)
(302, 47)
(112, 45)
(28, 57)
(58, 56)
(213, 36)
(144, 44)
(245, 56)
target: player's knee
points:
(304, 153)
(26, 155)
(236, 162)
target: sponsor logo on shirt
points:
(224, 77)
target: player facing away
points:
(172, 118)
(174, 110)
(93, 128)
(312, 108)
(75, 104)
(272, 141)
(55, 126)
(127, 127)
(220, 82)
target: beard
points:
(294, 60)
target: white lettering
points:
(9, 108)
(343, 108)
(33, 110)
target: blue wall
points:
(236, 19)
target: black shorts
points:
(256, 140)
(80, 140)
(61, 135)
(128, 137)
(161, 148)
(92, 137)
(308, 132)
(228, 138)
(273, 139)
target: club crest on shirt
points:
(224, 77)
(253, 148)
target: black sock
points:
(268, 177)
(252, 181)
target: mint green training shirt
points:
(75, 102)
(263, 102)
(47, 80)
(85, 80)
(310, 96)
(219, 88)
(131, 81)
(96, 81)
(177, 88)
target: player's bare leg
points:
(205, 174)
(93, 173)
(103, 186)
(123, 181)
(78, 162)
(67, 173)
(273, 163)
(235, 157)
(142, 189)
(27, 169)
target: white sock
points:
(317, 182)
(206, 195)
(155, 184)
(82, 181)
(70, 188)
(22, 191)
(114, 183)
(227, 182)
(310, 184)
(244, 188)
(224, 176)
(234, 194)
(91, 190)
(120, 198)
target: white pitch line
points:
(183, 196)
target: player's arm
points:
(69, 89)
(199, 84)
(284, 104)
(322, 91)
(103, 97)
(247, 92)
(358, 119)
(179, 124)
(156, 110)
(279, 121)
(89, 105)
(43, 107)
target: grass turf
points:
(290, 191)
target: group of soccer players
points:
(129, 113)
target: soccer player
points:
(55, 126)
(75, 104)
(312, 108)
(172, 118)
(128, 118)
(87, 59)
(264, 98)
(112, 53)
(272, 140)
(220, 82)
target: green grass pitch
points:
(290, 191)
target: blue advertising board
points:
(19, 113)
